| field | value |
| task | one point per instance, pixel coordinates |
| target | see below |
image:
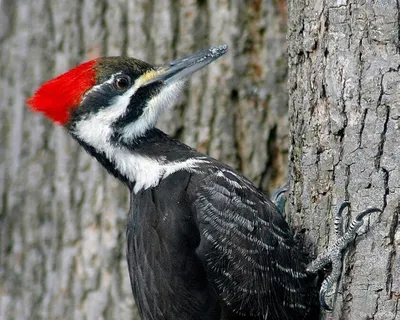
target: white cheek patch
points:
(153, 110)
(96, 129)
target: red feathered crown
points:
(57, 97)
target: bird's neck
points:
(141, 163)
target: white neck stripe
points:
(97, 129)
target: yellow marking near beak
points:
(151, 75)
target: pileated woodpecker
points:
(203, 241)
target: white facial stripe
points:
(150, 114)
(145, 172)
(96, 130)
(153, 110)
(126, 96)
(109, 81)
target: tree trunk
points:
(62, 218)
(344, 111)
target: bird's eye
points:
(122, 82)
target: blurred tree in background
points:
(62, 218)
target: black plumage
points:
(237, 234)
(205, 243)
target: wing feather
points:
(248, 249)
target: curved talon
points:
(338, 223)
(279, 197)
(343, 206)
(334, 253)
(360, 216)
(322, 300)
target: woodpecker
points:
(203, 242)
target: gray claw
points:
(361, 215)
(322, 300)
(338, 224)
(279, 197)
(333, 254)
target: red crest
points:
(57, 97)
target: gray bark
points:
(62, 218)
(344, 109)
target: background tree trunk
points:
(62, 218)
(344, 112)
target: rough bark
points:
(344, 109)
(62, 218)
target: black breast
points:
(168, 279)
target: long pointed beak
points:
(180, 69)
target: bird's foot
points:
(279, 197)
(333, 254)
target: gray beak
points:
(182, 68)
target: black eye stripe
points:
(106, 93)
(137, 104)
